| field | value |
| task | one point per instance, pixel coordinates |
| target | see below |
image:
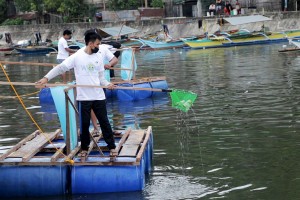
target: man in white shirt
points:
(63, 49)
(89, 70)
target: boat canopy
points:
(117, 31)
(246, 19)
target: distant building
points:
(190, 8)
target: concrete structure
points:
(178, 27)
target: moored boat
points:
(161, 44)
(295, 41)
(6, 48)
(36, 50)
(242, 37)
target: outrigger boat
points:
(160, 44)
(35, 50)
(295, 41)
(243, 36)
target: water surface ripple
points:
(240, 140)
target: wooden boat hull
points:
(35, 50)
(289, 50)
(6, 48)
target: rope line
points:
(31, 117)
(24, 95)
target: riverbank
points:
(178, 27)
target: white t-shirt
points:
(89, 70)
(61, 46)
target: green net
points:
(182, 100)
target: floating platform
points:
(133, 95)
(35, 167)
(45, 95)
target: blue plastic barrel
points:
(148, 154)
(100, 179)
(110, 93)
(132, 95)
(32, 181)
(159, 85)
(45, 96)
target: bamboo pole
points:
(84, 86)
(49, 64)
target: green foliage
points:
(124, 4)
(157, 3)
(3, 8)
(16, 21)
(69, 9)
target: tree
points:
(157, 3)
(69, 9)
(124, 4)
(3, 8)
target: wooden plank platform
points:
(135, 137)
(132, 144)
(33, 146)
(129, 150)
(35, 150)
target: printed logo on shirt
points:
(90, 67)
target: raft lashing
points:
(34, 168)
(123, 95)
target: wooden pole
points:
(68, 136)
(47, 64)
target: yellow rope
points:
(32, 119)
(24, 95)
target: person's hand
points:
(41, 82)
(111, 86)
(107, 66)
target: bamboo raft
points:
(34, 167)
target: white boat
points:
(295, 41)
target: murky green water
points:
(240, 141)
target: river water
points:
(240, 140)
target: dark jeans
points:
(99, 108)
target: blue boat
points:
(35, 50)
(161, 44)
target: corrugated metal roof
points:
(246, 19)
(119, 30)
